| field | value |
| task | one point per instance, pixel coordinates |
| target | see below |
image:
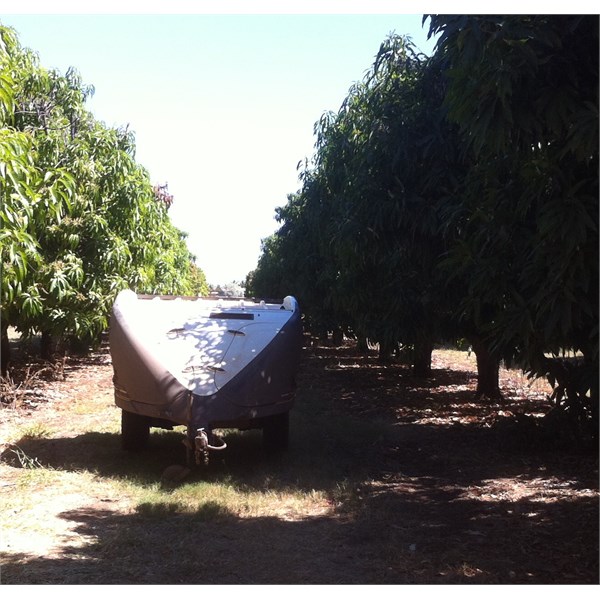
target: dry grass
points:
(389, 480)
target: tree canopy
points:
(457, 196)
(80, 217)
(524, 92)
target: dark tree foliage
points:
(457, 196)
(362, 236)
(524, 91)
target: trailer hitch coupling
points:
(201, 447)
(203, 442)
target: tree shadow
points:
(413, 517)
(396, 534)
(423, 503)
(327, 447)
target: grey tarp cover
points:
(263, 385)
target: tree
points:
(198, 285)
(524, 91)
(27, 190)
(81, 220)
(459, 196)
(365, 222)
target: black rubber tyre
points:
(135, 431)
(276, 433)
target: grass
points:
(245, 482)
(364, 495)
(35, 431)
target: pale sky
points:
(222, 105)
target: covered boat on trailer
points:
(205, 364)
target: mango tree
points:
(524, 91)
(81, 220)
(29, 190)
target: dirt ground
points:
(445, 489)
(472, 479)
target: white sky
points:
(222, 105)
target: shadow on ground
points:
(426, 505)
(395, 534)
(452, 502)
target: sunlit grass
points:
(214, 501)
(34, 431)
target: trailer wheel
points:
(276, 433)
(135, 431)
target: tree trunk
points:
(385, 352)
(488, 371)
(47, 346)
(422, 358)
(4, 350)
(362, 345)
(337, 337)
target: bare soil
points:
(423, 485)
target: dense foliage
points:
(80, 219)
(456, 196)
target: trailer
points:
(206, 364)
